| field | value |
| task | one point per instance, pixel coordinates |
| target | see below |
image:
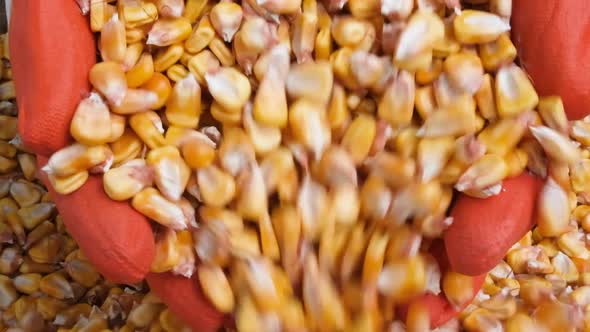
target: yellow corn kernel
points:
(193, 9)
(118, 123)
(451, 121)
(216, 186)
(402, 279)
(184, 105)
(223, 116)
(340, 61)
(236, 150)
(167, 253)
(226, 18)
(144, 314)
(514, 91)
(139, 13)
(557, 146)
(168, 57)
(304, 31)
(338, 113)
(270, 102)
(553, 210)
(348, 31)
(198, 151)
(457, 288)
(418, 317)
(109, 79)
(363, 9)
(424, 101)
(170, 8)
(484, 98)
(464, 71)
(230, 88)
(168, 31)
(502, 136)
(171, 173)
(417, 40)
(553, 114)
(123, 182)
(170, 322)
(177, 72)
(573, 245)
(135, 35)
(216, 287)
(374, 257)
(91, 123)
(160, 85)
(113, 42)
(127, 147)
(485, 172)
(319, 74)
(478, 27)
(497, 53)
(31, 216)
(222, 52)
(202, 63)
(185, 58)
(305, 115)
(156, 207)
(148, 126)
(76, 158)
(264, 138)
(430, 74)
(97, 14)
(359, 136)
(516, 160)
(7, 91)
(141, 72)
(201, 36)
(397, 104)
(323, 43)
(136, 100)
(580, 176)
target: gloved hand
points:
(52, 50)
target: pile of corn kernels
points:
(318, 145)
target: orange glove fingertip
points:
(186, 299)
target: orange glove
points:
(52, 50)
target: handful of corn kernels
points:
(46, 282)
(307, 152)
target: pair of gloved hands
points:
(52, 50)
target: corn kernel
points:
(168, 57)
(113, 42)
(478, 27)
(514, 91)
(166, 32)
